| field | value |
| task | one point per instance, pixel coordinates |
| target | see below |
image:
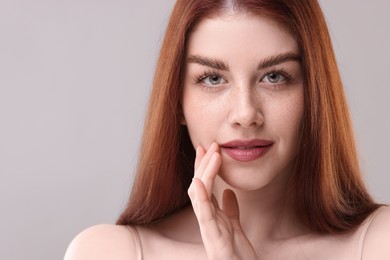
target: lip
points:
(246, 150)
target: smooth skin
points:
(239, 209)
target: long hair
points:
(329, 194)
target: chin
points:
(255, 177)
(246, 179)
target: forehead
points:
(240, 34)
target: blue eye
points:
(274, 78)
(210, 79)
(213, 80)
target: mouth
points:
(246, 150)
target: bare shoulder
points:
(376, 241)
(103, 242)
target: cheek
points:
(201, 106)
(286, 115)
(203, 117)
(291, 134)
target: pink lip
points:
(246, 150)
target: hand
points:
(220, 229)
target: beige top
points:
(357, 239)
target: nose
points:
(245, 109)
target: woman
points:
(253, 86)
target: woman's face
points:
(243, 89)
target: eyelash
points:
(287, 77)
(204, 75)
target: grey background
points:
(74, 81)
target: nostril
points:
(245, 110)
(247, 122)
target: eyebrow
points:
(264, 63)
(278, 59)
(209, 62)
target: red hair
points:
(329, 194)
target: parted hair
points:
(327, 190)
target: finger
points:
(214, 201)
(220, 214)
(191, 191)
(211, 172)
(205, 160)
(232, 211)
(200, 152)
(230, 204)
(205, 212)
(202, 161)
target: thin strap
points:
(137, 241)
(366, 225)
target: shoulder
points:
(376, 241)
(103, 242)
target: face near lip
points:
(243, 89)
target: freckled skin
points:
(245, 105)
